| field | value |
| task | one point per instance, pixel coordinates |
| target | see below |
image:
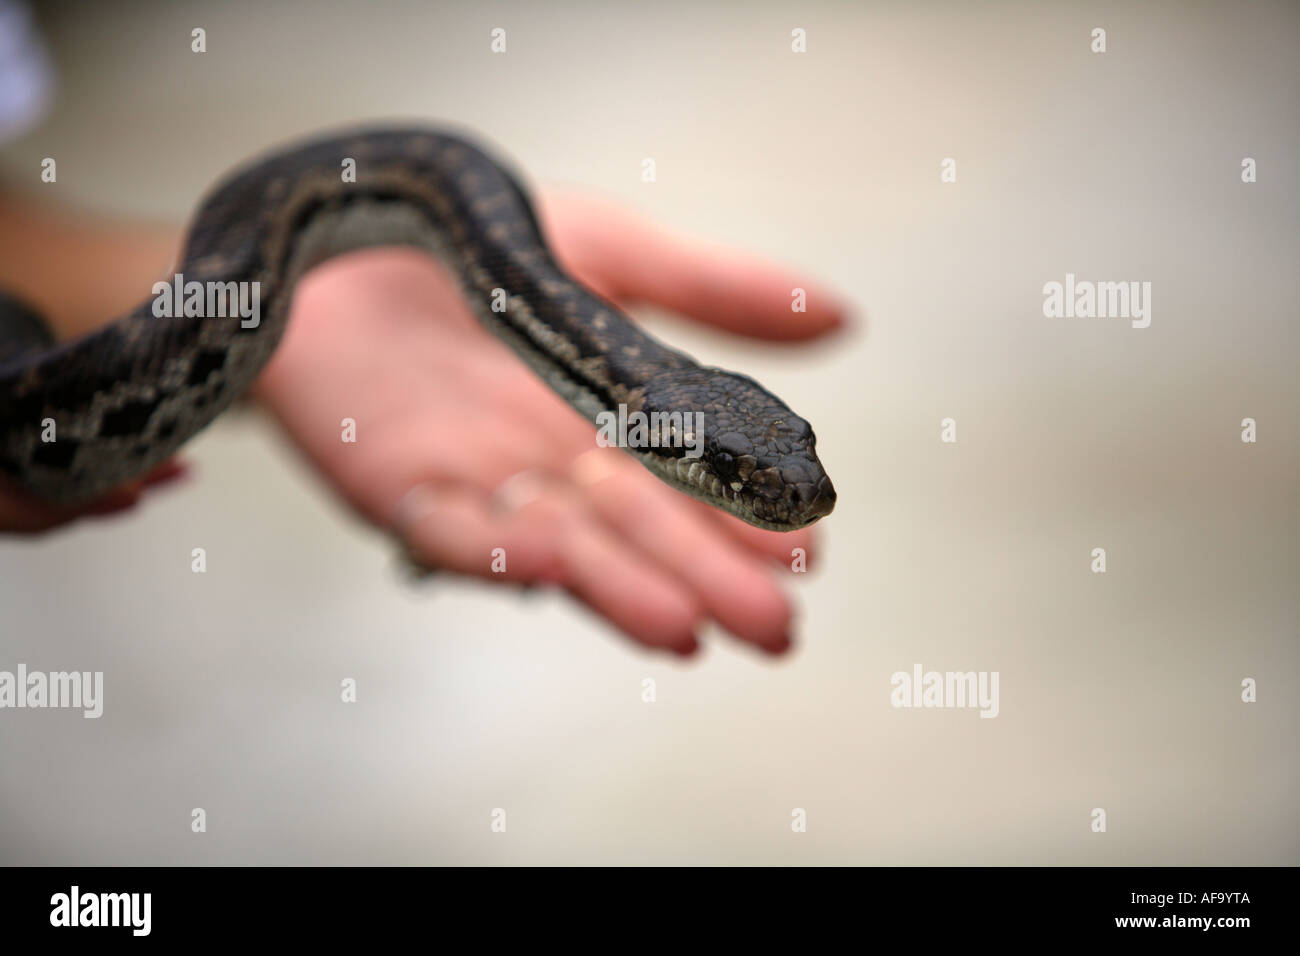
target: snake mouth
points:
(797, 506)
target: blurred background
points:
(1119, 690)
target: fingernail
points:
(168, 471)
(779, 646)
(686, 648)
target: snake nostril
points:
(823, 502)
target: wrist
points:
(79, 273)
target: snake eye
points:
(724, 465)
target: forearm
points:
(79, 272)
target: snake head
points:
(755, 457)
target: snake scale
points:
(123, 398)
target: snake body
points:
(123, 398)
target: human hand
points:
(461, 450)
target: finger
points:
(734, 587)
(628, 590)
(24, 513)
(788, 549)
(543, 535)
(172, 470)
(451, 528)
(630, 260)
(472, 447)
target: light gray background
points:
(1118, 690)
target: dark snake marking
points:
(126, 396)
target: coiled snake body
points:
(124, 397)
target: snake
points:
(81, 417)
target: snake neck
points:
(122, 399)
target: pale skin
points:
(382, 338)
